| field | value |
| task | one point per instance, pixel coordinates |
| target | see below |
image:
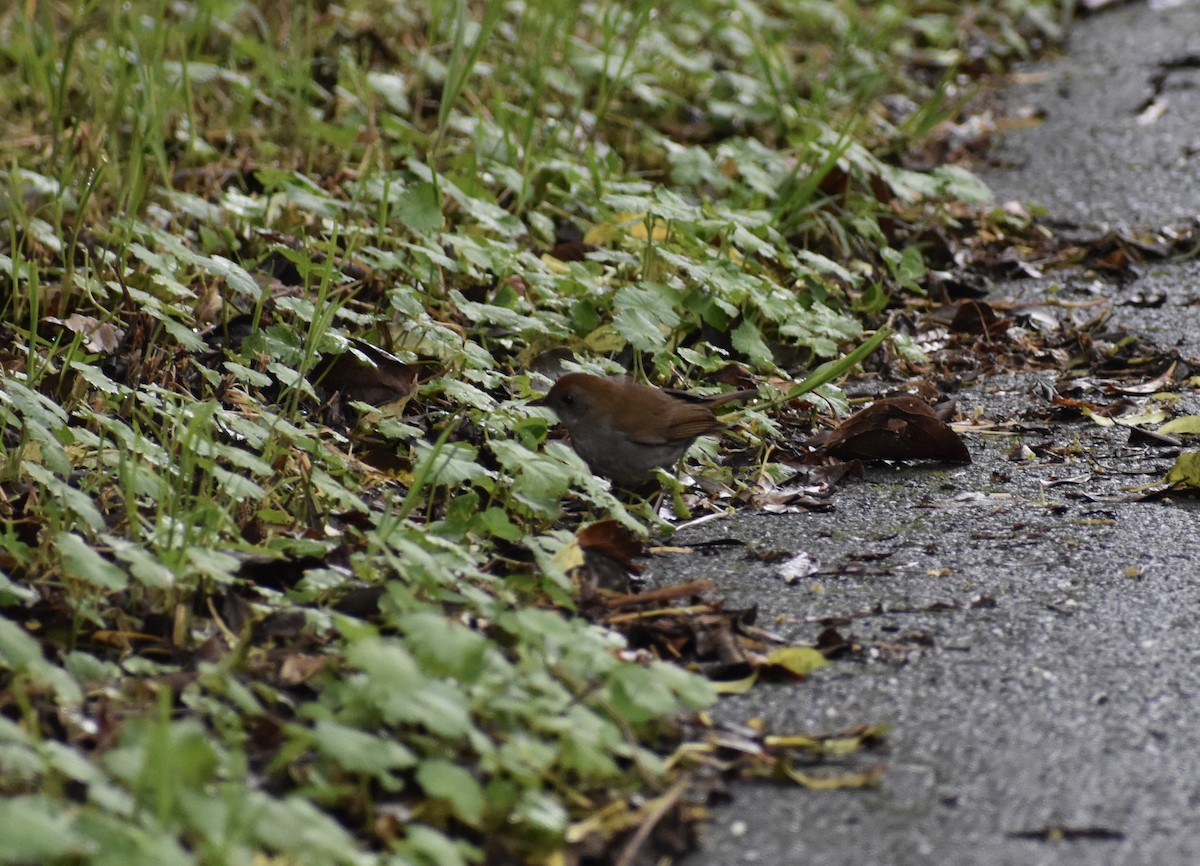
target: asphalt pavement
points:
(1035, 641)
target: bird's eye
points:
(568, 399)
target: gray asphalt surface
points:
(1060, 688)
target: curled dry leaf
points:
(1162, 382)
(1155, 438)
(613, 540)
(298, 668)
(897, 428)
(604, 561)
(774, 499)
(977, 317)
(798, 567)
(100, 336)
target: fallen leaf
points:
(1186, 471)
(735, 687)
(1138, 436)
(297, 668)
(614, 541)
(799, 661)
(606, 550)
(977, 317)
(897, 428)
(798, 567)
(1153, 386)
(833, 783)
(100, 336)
(1188, 425)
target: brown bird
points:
(623, 430)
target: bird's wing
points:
(689, 421)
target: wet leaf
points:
(608, 548)
(897, 428)
(1138, 436)
(1118, 414)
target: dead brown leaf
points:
(101, 337)
(897, 428)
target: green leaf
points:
(404, 693)
(21, 652)
(693, 690)
(143, 565)
(296, 826)
(540, 481)
(645, 315)
(748, 340)
(445, 647)
(82, 562)
(236, 486)
(907, 267)
(638, 694)
(543, 812)
(36, 830)
(19, 593)
(76, 500)
(121, 843)
(456, 786)
(434, 848)
(235, 276)
(360, 751)
(32, 405)
(95, 377)
(18, 650)
(956, 182)
(420, 209)
(451, 465)
(220, 566)
(494, 522)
